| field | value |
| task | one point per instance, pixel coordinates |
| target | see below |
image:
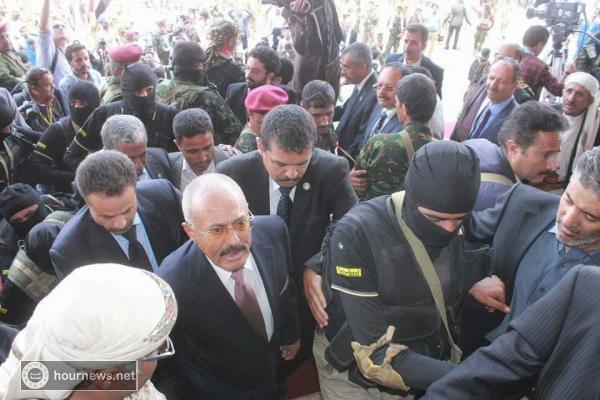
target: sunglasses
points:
(242, 225)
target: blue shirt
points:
(495, 109)
(142, 237)
(542, 267)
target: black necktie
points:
(284, 207)
(481, 125)
(137, 254)
(380, 122)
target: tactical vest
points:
(180, 94)
(403, 291)
(31, 279)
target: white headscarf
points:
(590, 125)
(101, 312)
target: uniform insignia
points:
(306, 186)
(340, 246)
(41, 145)
(348, 272)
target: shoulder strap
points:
(54, 60)
(495, 178)
(428, 270)
(408, 144)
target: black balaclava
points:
(186, 57)
(85, 91)
(135, 77)
(7, 115)
(444, 176)
(17, 197)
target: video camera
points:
(557, 13)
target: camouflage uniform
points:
(247, 141)
(183, 95)
(12, 70)
(385, 160)
(110, 91)
(327, 141)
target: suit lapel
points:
(258, 193)
(302, 199)
(146, 210)
(106, 246)
(263, 257)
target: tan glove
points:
(382, 374)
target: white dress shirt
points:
(188, 174)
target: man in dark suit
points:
(488, 107)
(127, 134)
(357, 69)
(307, 187)
(536, 238)
(262, 65)
(415, 43)
(552, 345)
(236, 299)
(383, 118)
(121, 223)
(197, 153)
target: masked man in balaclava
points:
(45, 166)
(185, 91)
(138, 85)
(374, 270)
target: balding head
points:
(218, 220)
(502, 80)
(509, 50)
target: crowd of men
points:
(239, 227)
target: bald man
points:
(238, 310)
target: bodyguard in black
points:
(138, 85)
(46, 165)
(375, 279)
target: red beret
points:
(129, 53)
(3, 27)
(130, 34)
(264, 98)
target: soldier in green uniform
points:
(184, 91)
(258, 103)
(12, 69)
(386, 157)
(397, 25)
(120, 57)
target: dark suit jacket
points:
(393, 125)
(236, 96)
(437, 72)
(216, 346)
(353, 120)
(323, 190)
(511, 227)
(554, 344)
(176, 164)
(462, 128)
(82, 241)
(157, 164)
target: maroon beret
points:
(129, 53)
(264, 98)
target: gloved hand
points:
(382, 374)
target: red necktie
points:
(245, 298)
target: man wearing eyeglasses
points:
(51, 44)
(237, 301)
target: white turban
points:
(101, 312)
(584, 79)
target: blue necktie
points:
(481, 125)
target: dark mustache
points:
(233, 249)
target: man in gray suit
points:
(197, 153)
(553, 345)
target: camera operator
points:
(536, 72)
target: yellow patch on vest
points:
(41, 145)
(348, 272)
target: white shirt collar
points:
(225, 275)
(274, 189)
(415, 64)
(362, 83)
